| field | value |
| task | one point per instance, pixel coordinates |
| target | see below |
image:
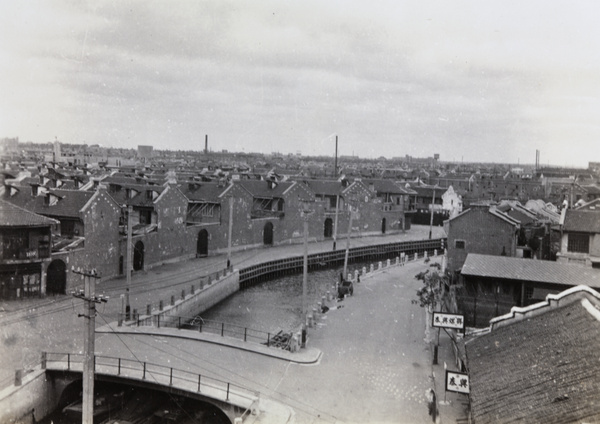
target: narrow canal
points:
(276, 304)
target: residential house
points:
(452, 202)
(481, 229)
(395, 202)
(88, 234)
(580, 235)
(25, 241)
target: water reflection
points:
(277, 304)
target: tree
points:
(430, 297)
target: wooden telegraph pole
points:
(352, 214)
(89, 335)
(129, 264)
(305, 215)
(229, 232)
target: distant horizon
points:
(295, 154)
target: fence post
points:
(179, 323)
(18, 377)
(172, 300)
(245, 330)
(222, 329)
(158, 321)
(44, 360)
(183, 294)
(193, 290)
(144, 376)
(68, 361)
(160, 305)
(199, 377)
(119, 371)
(148, 309)
(171, 377)
(227, 398)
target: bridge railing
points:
(410, 249)
(154, 374)
(219, 328)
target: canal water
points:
(276, 305)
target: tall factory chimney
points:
(206, 144)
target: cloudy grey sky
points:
(473, 80)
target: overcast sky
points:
(471, 80)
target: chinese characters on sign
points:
(457, 382)
(448, 320)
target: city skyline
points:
(474, 83)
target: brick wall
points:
(481, 233)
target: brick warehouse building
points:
(172, 222)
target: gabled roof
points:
(69, 204)
(202, 192)
(585, 221)
(387, 186)
(504, 267)
(15, 216)
(264, 189)
(491, 210)
(324, 187)
(543, 369)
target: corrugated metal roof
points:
(14, 216)
(544, 369)
(530, 270)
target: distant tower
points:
(56, 153)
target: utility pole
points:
(129, 267)
(305, 215)
(431, 219)
(335, 225)
(89, 336)
(230, 231)
(348, 239)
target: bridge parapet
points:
(156, 374)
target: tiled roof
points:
(587, 221)
(261, 188)
(14, 216)
(206, 192)
(544, 369)
(324, 187)
(388, 186)
(69, 205)
(529, 270)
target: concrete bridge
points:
(64, 369)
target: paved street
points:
(52, 324)
(373, 367)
